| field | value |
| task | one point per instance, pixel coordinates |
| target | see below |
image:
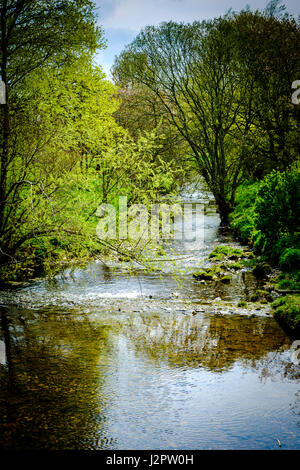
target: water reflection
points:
(51, 384)
(113, 380)
(209, 381)
(214, 342)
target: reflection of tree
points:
(51, 384)
(215, 342)
(243, 284)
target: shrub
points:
(243, 217)
(278, 210)
(267, 215)
(290, 259)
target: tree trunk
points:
(224, 208)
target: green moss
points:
(261, 296)
(236, 266)
(242, 304)
(204, 276)
(223, 251)
(287, 312)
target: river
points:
(101, 359)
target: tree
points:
(141, 111)
(225, 85)
(61, 116)
(193, 71)
(35, 33)
(268, 48)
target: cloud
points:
(123, 19)
(135, 14)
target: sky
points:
(123, 19)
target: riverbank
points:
(266, 216)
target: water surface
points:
(99, 359)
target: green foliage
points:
(72, 140)
(288, 281)
(287, 312)
(290, 259)
(209, 80)
(266, 46)
(141, 111)
(278, 209)
(267, 216)
(243, 216)
(62, 152)
(202, 108)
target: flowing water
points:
(100, 359)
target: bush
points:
(243, 217)
(267, 215)
(287, 281)
(290, 259)
(278, 210)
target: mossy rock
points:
(261, 270)
(204, 276)
(223, 251)
(224, 266)
(236, 266)
(225, 279)
(262, 296)
(216, 270)
(287, 313)
(268, 287)
(242, 304)
(123, 259)
(234, 257)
